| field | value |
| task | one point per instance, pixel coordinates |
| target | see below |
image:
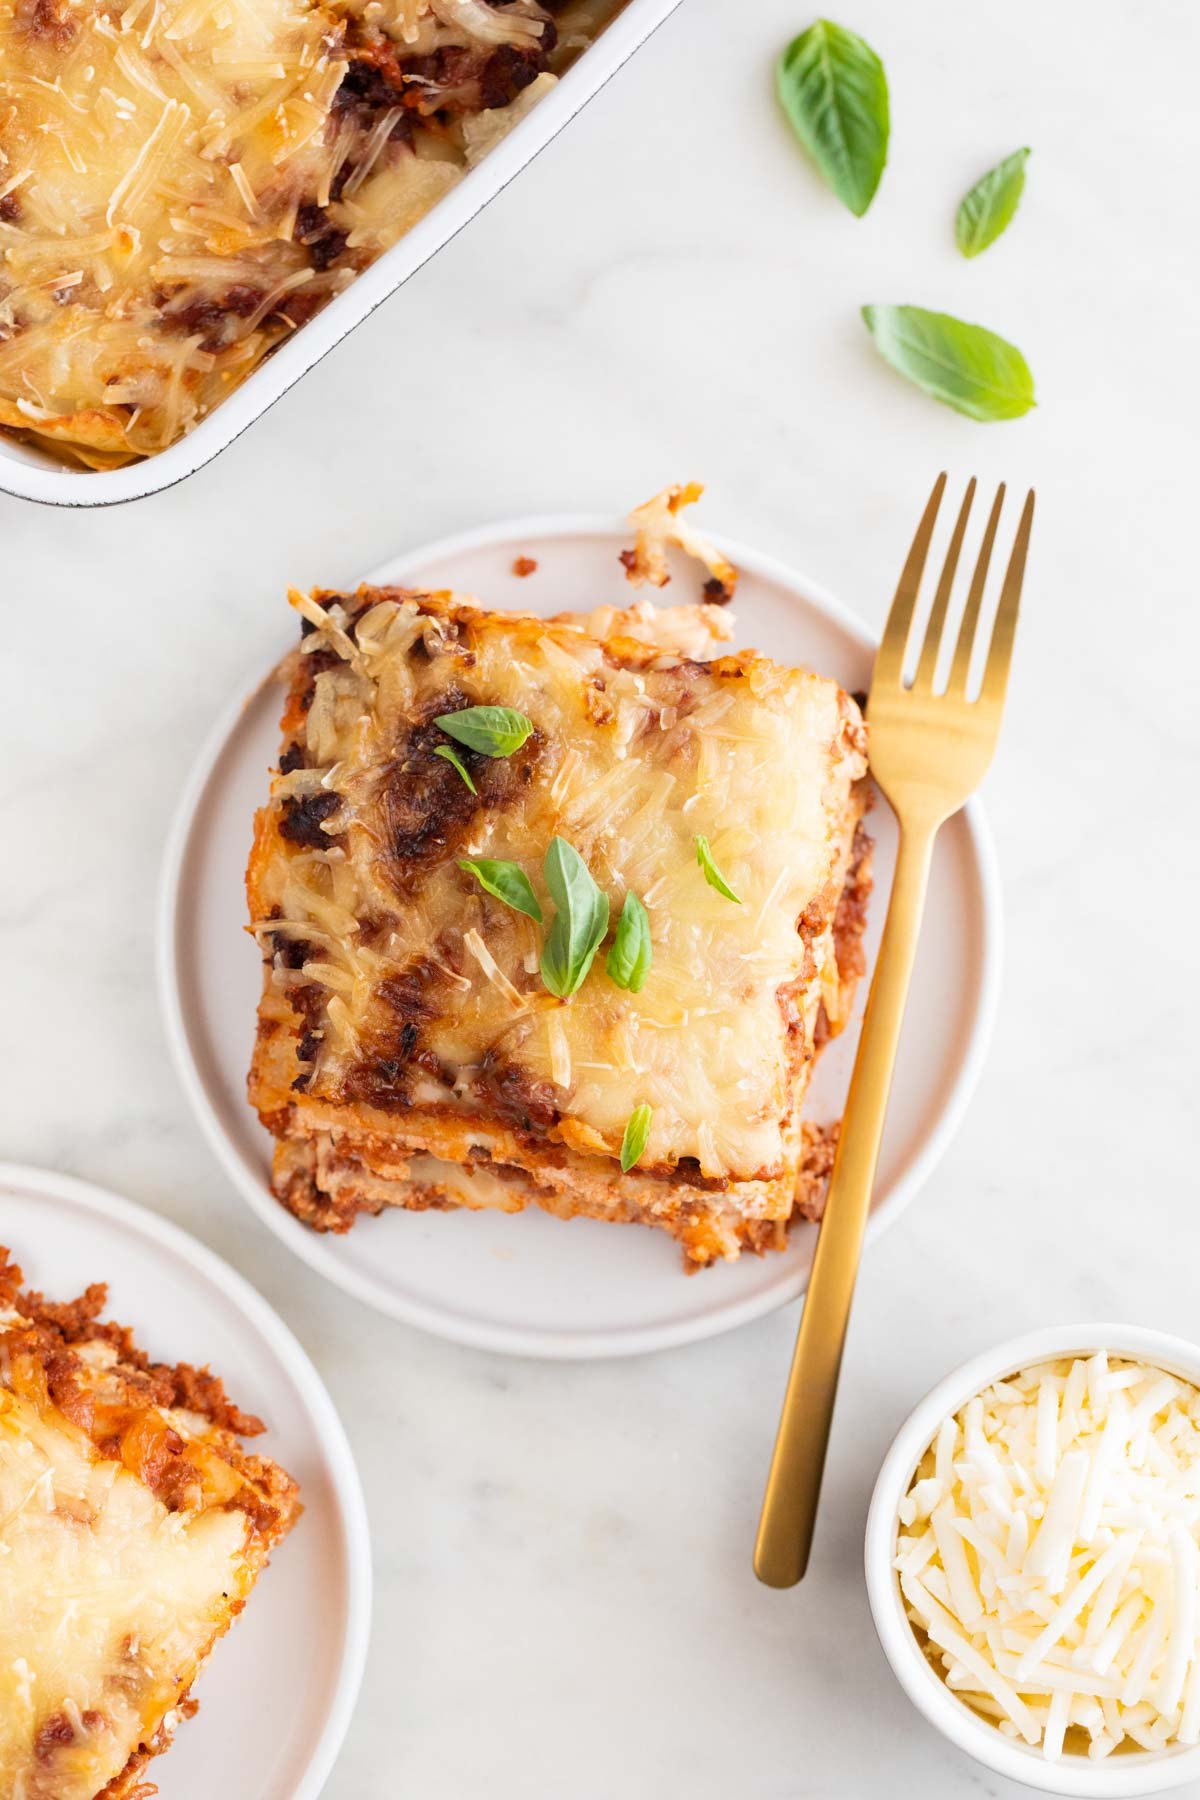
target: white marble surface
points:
(565, 1608)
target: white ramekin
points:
(1119, 1775)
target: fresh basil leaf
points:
(964, 366)
(455, 761)
(505, 881)
(988, 209)
(492, 730)
(636, 1135)
(712, 874)
(580, 921)
(833, 89)
(629, 958)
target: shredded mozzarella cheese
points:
(1048, 1554)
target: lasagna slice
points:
(132, 1528)
(433, 1031)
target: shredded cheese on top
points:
(1049, 1556)
(94, 1563)
(114, 1590)
(185, 182)
(162, 153)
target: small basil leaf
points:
(492, 730)
(628, 960)
(988, 209)
(580, 921)
(833, 89)
(636, 1134)
(455, 761)
(964, 366)
(712, 874)
(505, 881)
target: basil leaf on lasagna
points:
(505, 881)
(832, 87)
(628, 960)
(579, 923)
(637, 1133)
(491, 730)
(456, 762)
(712, 874)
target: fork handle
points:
(785, 1529)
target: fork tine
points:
(930, 649)
(995, 671)
(960, 668)
(889, 660)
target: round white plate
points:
(533, 1284)
(276, 1698)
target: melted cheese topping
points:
(156, 153)
(1049, 1553)
(167, 167)
(635, 755)
(110, 1604)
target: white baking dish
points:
(33, 475)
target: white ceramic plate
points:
(276, 1699)
(533, 1284)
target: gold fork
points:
(929, 752)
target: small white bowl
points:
(1124, 1773)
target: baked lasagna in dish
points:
(553, 912)
(132, 1528)
(183, 183)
